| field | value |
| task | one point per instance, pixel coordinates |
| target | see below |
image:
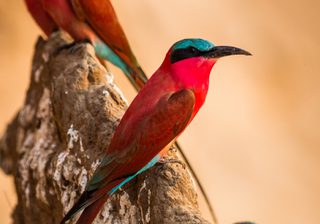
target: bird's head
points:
(199, 48)
(197, 56)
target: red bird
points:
(157, 116)
(93, 21)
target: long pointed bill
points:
(222, 51)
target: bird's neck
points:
(193, 73)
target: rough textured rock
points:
(54, 143)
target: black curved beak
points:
(222, 51)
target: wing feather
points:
(102, 17)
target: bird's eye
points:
(193, 50)
(184, 53)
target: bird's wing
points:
(164, 123)
(156, 130)
(102, 17)
(78, 10)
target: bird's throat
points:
(193, 73)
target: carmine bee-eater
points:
(97, 22)
(157, 116)
(94, 21)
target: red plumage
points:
(42, 18)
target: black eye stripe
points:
(184, 53)
(193, 49)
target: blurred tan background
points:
(256, 142)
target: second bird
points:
(94, 21)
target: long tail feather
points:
(137, 77)
(81, 204)
(90, 212)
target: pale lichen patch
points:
(95, 164)
(109, 77)
(81, 145)
(192, 179)
(105, 93)
(45, 56)
(61, 158)
(148, 216)
(83, 179)
(116, 88)
(38, 73)
(26, 115)
(127, 209)
(105, 212)
(73, 136)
